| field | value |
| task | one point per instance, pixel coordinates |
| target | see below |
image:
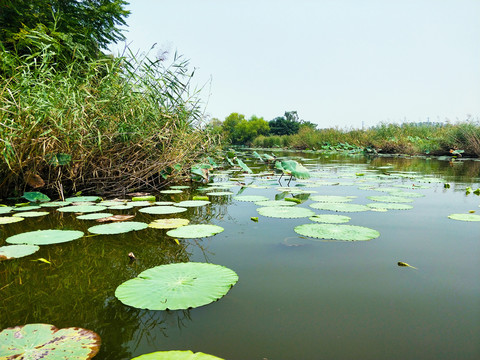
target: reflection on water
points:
(296, 298)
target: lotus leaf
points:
(117, 227)
(25, 214)
(27, 208)
(82, 208)
(162, 210)
(111, 203)
(243, 166)
(337, 232)
(144, 198)
(55, 204)
(285, 212)
(177, 286)
(44, 341)
(176, 355)
(17, 251)
(332, 219)
(464, 217)
(407, 194)
(390, 206)
(35, 196)
(168, 223)
(390, 199)
(332, 198)
(161, 203)
(45, 237)
(341, 207)
(82, 199)
(5, 209)
(10, 219)
(179, 187)
(94, 216)
(171, 191)
(220, 193)
(275, 203)
(252, 198)
(195, 231)
(192, 203)
(140, 203)
(120, 207)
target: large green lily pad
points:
(390, 206)
(337, 232)
(35, 196)
(31, 214)
(162, 210)
(177, 286)
(341, 207)
(285, 212)
(94, 216)
(195, 231)
(117, 227)
(192, 203)
(5, 209)
(17, 251)
(10, 219)
(168, 223)
(332, 219)
(76, 199)
(82, 208)
(332, 198)
(390, 199)
(44, 341)
(464, 217)
(176, 355)
(252, 198)
(275, 203)
(27, 208)
(45, 237)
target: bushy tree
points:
(285, 125)
(241, 131)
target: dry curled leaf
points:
(116, 218)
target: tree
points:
(285, 125)
(89, 24)
(241, 131)
(231, 121)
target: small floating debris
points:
(401, 263)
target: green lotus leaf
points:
(294, 168)
(464, 217)
(144, 198)
(179, 187)
(285, 212)
(332, 198)
(82, 208)
(26, 214)
(162, 203)
(55, 204)
(173, 191)
(341, 207)
(177, 286)
(17, 251)
(108, 203)
(44, 341)
(139, 203)
(195, 231)
(337, 232)
(10, 219)
(76, 199)
(5, 209)
(94, 216)
(390, 206)
(192, 203)
(243, 166)
(220, 193)
(168, 223)
(27, 208)
(45, 237)
(176, 355)
(275, 203)
(120, 207)
(162, 210)
(390, 199)
(407, 194)
(252, 198)
(117, 227)
(332, 219)
(35, 196)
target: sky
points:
(338, 63)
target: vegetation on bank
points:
(73, 118)
(459, 139)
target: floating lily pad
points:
(162, 210)
(35, 196)
(94, 216)
(337, 232)
(10, 219)
(252, 198)
(120, 207)
(390, 206)
(55, 204)
(171, 191)
(285, 212)
(76, 199)
(27, 208)
(44, 341)
(177, 286)
(332, 219)
(179, 187)
(390, 199)
(117, 227)
(26, 214)
(464, 217)
(82, 208)
(162, 203)
(340, 207)
(5, 209)
(275, 203)
(168, 223)
(16, 251)
(140, 203)
(45, 237)
(192, 203)
(195, 231)
(332, 198)
(116, 218)
(176, 355)
(220, 193)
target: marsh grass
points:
(110, 124)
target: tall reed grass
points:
(110, 124)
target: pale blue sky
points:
(336, 62)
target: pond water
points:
(297, 297)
